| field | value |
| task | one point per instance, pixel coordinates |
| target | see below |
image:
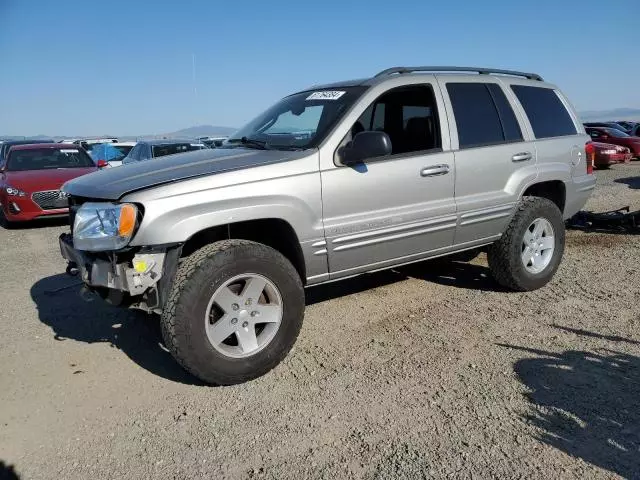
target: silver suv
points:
(328, 183)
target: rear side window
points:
(512, 132)
(546, 112)
(483, 115)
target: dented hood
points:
(113, 183)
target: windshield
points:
(4, 148)
(299, 121)
(48, 158)
(615, 132)
(171, 149)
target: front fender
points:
(162, 224)
(174, 213)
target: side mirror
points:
(102, 163)
(366, 145)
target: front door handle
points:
(434, 170)
(521, 157)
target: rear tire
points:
(204, 323)
(524, 259)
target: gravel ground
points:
(429, 371)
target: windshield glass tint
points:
(48, 158)
(162, 150)
(616, 133)
(301, 120)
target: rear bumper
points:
(612, 159)
(578, 192)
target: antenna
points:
(193, 65)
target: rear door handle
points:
(434, 170)
(521, 157)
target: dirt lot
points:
(430, 371)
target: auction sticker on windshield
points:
(326, 95)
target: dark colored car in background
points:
(606, 154)
(627, 124)
(31, 177)
(616, 137)
(148, 149)
(7, 144)
(634, 131)
(615, 125)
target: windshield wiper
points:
(250, 142)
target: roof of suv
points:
(35, 146)
(388, 73)
(169, 141)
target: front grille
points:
(50, 199)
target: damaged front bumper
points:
(140, 279)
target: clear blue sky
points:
(79, 67)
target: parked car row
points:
(612, 144)
(32, 172)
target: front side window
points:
(298, 121)
(47, 159)
(547, 114)
(408, 115)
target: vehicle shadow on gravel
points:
(134, 333)
(586, 404)
(631, 182)
(441, 271)
(8, 472)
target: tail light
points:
(590, 156)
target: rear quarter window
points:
(547, 114)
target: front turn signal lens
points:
(127, 223)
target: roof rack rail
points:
(482, 71)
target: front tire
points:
(234, 311)
(530, 250)
(4, 221)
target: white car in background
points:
(106, 149)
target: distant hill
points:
(191, 132)
(202, 131)
(631, 114)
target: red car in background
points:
(606, 154)
(616, 137)
(31, 177)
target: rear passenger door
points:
(494, 155)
